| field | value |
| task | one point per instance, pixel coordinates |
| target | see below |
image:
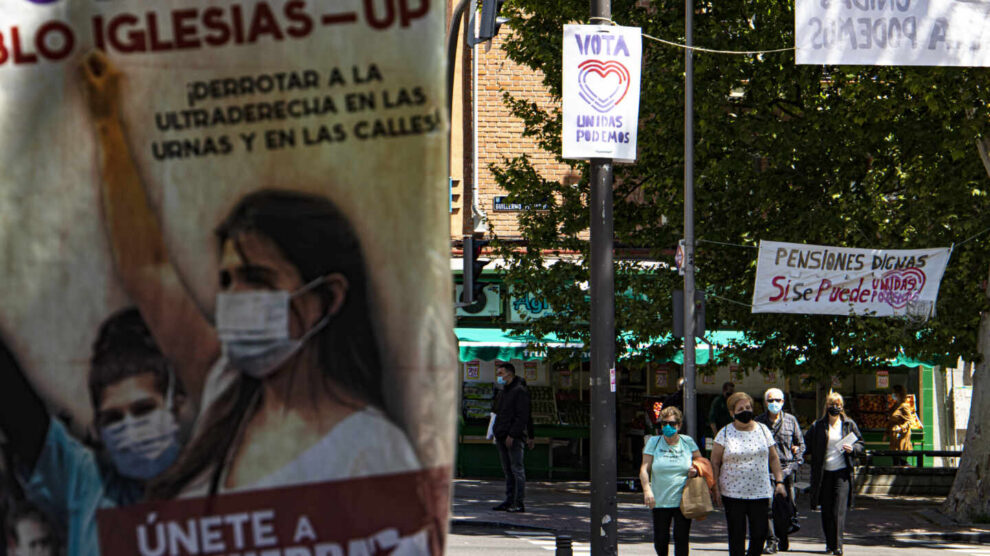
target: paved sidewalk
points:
(565, 507)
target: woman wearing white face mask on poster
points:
(291, 377)
(136, 401)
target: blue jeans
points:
(515, 472)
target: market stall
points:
(561, 403)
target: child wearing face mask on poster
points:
(135, 398)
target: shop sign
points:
(530, 370)
(737, 374)
(708, 379)
(566, 379)
(526, 307)
(660, 378)
(601, 74)
(962, 398)
(883, 379)
(892, 33)
(824, 280)
(472, 370)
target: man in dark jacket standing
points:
(512, 410)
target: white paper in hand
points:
(849, 439)
(491, 427)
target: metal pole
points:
(467, 275)
(603, 464)
(604, 505)
(690, 371)
(455, 21)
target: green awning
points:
(495, 344)
(491, 344)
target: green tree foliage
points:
(874, 157)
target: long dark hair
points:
(315, 237)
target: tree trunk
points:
(969, 499)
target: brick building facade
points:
(499, 134)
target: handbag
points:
(696, 499)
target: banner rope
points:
(954, 245)
(974, 236)
(701, 49)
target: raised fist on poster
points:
(102, 84)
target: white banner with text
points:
(893, 32)
(824, 280)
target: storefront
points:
(561, 400)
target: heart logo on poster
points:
(603, 84)
(901, 285)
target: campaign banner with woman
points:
(225, 314)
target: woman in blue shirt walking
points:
(668, 459)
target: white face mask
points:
(254, 329)
(142, 447)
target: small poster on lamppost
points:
(601, 77)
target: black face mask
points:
(744, 416)
(833, 411)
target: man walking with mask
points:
(790, 449)
(718, 413)
(512, 411)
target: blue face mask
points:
(669, 431)
(775, 407)
(142, 447)
(500, 379)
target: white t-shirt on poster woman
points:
(745, 471)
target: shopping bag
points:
(696, 499)
(784, 511)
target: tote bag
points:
(696, 499)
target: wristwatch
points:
(778, 482)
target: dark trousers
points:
(515, 471)
(661, 531)
(834, 497)
(737, 513)
(779, 528)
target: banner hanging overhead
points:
(893, 32)
(225, 277)
(601, 91)
(817, 279)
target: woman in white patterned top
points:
(742, 460)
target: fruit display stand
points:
(870, 411)
(477, 456)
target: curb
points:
(967, 537)
(461, 522)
